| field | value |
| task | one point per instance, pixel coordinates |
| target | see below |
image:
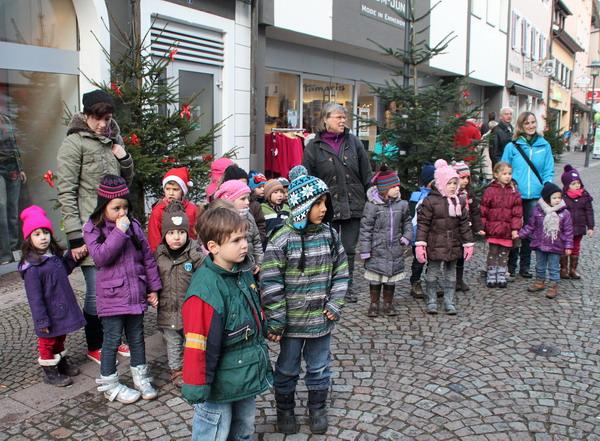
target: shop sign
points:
(596, 150)
(385, 11)
(596, 95)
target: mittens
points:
(421, 253)
(468, 253)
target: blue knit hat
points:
(303, 192)
(256, 180)
(427, 172)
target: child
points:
(443, 236)
(385, 229)
(274, 208)
(127, 275)
(175, 185)
(238, 194)
(217, 169)
(257, 182)
(550, 229)
(304, 279)
(579, 204)
(54, 308)
(416, 199)
(226, 361)
(502, 218)
(286, 185)
(177, 257)
(472, 207)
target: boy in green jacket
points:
(225, 359)
(303, 282)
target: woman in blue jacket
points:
(526, 141)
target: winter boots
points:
(317, 411)
(65, 367)
(573, 268)
(568, 267)
(374, 291)
(449, 293)
(564, 267)
(177, 377)
(416, 290)
(52, 374)
(431, 299)
(537, 285)
(286, 419)
(552, 290)
(460, 283)
(114, 390)
(142, 381)
(388, 300)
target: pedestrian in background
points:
(502, 134)
(274, 208)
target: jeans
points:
(348, 230)
(545, 260)
(10, 190)
(224, 421)
(113, 329)
(174, 342)
(524, 252)
(93, 326)
(317, 356)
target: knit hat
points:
(304, 191)
(298, 170)
(179, 175)
(111, 187)
(217, 168)
(234, 172)
(256, 180)
(461, 168)
(271, 186)
(443, 174)
(174, 218)
(427, 172)
(570, 174)
(284, 181)
(385, 179)
(34, 217)
(232, 190)
(95, 97)
(549, 189)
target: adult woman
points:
(340, 160)
(93, 148)
(527, 143)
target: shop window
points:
(367, 109)
(318, 92)
(282, 108)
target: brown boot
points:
(177, 377)
(537, 285)
(374, 291)
(388, 300)
(552, 290)
(573, 268)
(564, 267)
(416, 290)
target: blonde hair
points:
(500, 166)
(519, 130)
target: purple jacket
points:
(582, 213)
(51, 299)
(125, 274)
(534, 230)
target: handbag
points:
(528, 161)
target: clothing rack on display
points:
(284, 148)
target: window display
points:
(281, 100)
(319, 92)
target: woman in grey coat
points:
(385, 231)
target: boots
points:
(317, 411)
(286, 419)
(460, 283)
(573, 268)
(431, 300)
(388, 300)
(501, 281)
(66, 368)
(350, 296)
(51, 373)
(176, 377)
(552, 290)
(564, 267)
(374, 291)
(416, 290)
(537, 285)
(142, 381)
(449, 293)
(114, 390)
(491, 280)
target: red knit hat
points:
(179, 175)
(34, 217)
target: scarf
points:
(574, 194)
(551, 219)
(244, 212)
(454, 209)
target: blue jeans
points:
(545, 260)
(524, 252)
(113, 329)
(317, 356)
(224, 421)
(10, 190)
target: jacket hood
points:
(192, 251)
(246, 265)
(79, 125)
(374, 196)
(32, 259)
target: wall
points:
(450, 16)
(487, 52)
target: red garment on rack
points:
(282, 153)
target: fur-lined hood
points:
(79, 125)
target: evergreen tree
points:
(554, 135)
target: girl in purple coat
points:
(53, 305)
(579, 204)
(550, 230)
(126, 280)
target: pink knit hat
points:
(443, 174)
(217, 168)
(34, 217)
(232, 190)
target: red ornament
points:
(49, 178)
(466, 94)
(207, 157)
(134, 139)
(168, 160)
(457, 115)
(116, 89)
(185, 112)
(172, 53)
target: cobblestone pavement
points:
(411, 377)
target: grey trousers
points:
(442, 274)
(174, 342)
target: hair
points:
(491, 116)
(328, 109)
(217, 223)
(97, 219)
(99, 110)
(27, 248)
(504, 109)
(233, 172)
(519, 131)
(500, 166)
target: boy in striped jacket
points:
(303, 282)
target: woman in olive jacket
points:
(340, 160)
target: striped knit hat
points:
(272, 186)
(111, 187)
(461, 168)
(303, 192)
(385, 179)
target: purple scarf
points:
(333, 140)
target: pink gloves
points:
(404, 241)
(421, 253)
(468, 253)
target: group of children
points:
(264, 269)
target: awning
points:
(580, 105)
(519, 89)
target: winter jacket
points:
(501, 211)
(382, 226)
(155, 235)
(346, 174)
(501, 135)
(225, 357)
(416, 199)
(126, 275)
(259, 218)
(474, 211)
(534, 230)
(175, 275)
(274, 218)
(255, 247)
(582, 213)
(443, 235)
(540, 154)
(303, 273)
(51, 299)
(83, 158)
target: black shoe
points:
(351, 298)
(66, 368)
(55, 378)
(491, 284)
(286, 418)
(526, 274)
(502, 284)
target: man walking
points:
(501, 135)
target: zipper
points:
(245, 329)
(391, 224)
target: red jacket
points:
(465, 136)
(501, 211)
(155, 222)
